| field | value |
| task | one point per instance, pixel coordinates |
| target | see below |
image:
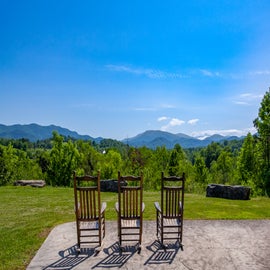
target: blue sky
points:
(117, 68)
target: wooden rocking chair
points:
(130, 209)
(169, 215)
(90, 214)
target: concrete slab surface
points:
(207, 244)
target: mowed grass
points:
(28, 214)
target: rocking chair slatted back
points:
(172, 197)
(130, 202)
(87, 197)
(88, 202)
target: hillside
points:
(149, 138)
(35, 132)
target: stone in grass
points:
(110, 185)
(32, 183)
(228, 192)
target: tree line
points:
(237, 162)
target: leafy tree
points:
(173, 163)
(211, 153)
(262, 124)
(161, 158)
(223, 170)
(136, 160)
(8, 160)
(111, 164)
(246, 161)
(63, 161)
(89, 158)
(177, 162)
(201, 171)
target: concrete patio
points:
(207, 244)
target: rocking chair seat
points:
(171, 222)
(130, 222)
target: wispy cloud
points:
(209, 73)
(145, 109)
(247, 99)
(260, 72)
(167, 106)
(150, 73)
(161, 74)
(240, 102)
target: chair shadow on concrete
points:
(163, 254)
(71, 258)
(117, 255)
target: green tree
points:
(223, 170)
(64, 158)
(89, 158)
(178, 160)
(211, 153)
(200, 170)
(111, 164)
(8, 163)
(246, 161)
(262, 124)
(161, 157)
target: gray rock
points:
(228, 192)
(110, 185)
(32, 183)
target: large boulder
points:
(228, 192)
(32, 183)
(110, 185)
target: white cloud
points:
(162, 118)
(173, 123)
(176, 122)
(193, 121)
(224, 132)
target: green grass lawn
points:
(28, 214)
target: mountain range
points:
(154, 138)
(149, 138)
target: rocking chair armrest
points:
(143, 207)
(157, 206)
(116, 207)
(79, 208)
(180, 208)
(103, 207)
